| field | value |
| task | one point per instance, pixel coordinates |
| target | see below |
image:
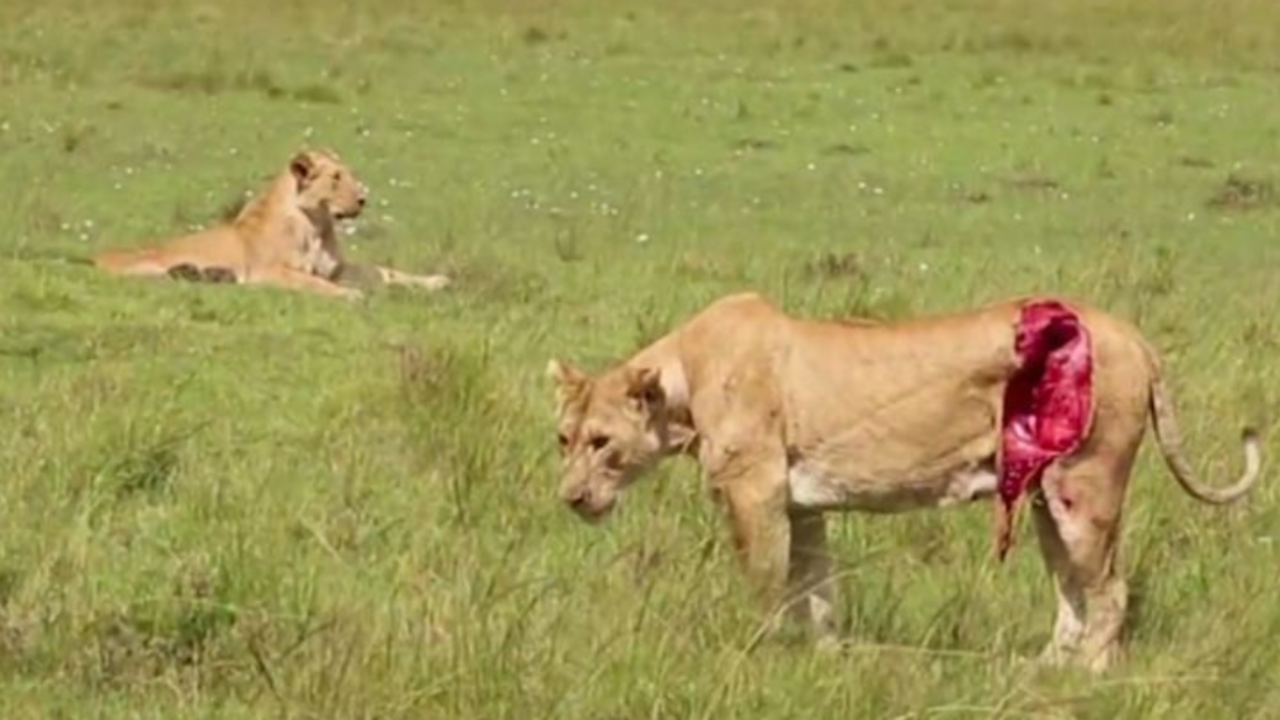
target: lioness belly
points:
(814, 488)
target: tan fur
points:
(790, 418)
(285, 236)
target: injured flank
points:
(790, 418)
(1048, 403)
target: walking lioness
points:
(286, 236)
(790, 418)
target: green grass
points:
(247, 503)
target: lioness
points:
(790, 418)
(285, 236)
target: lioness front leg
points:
(810, 586)
(298, 280)
(754, 493)
(430, 283)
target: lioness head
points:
(324, 182)
(610, 430)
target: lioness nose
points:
(577, 497)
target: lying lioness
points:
(285, 236)
(790, 418)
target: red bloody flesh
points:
(1047, 403)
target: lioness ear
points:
(569, 379)
(302, 165)
(645, 386)
(564, 373)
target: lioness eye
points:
(597, 442)
(613, 460)
(562, 440)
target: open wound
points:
(1048, 404)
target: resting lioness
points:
(790, 418)
(285, 236)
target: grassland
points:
(226, 504)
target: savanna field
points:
(223, 502)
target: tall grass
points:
(227, 502)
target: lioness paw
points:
(186, 272)
(436, 282)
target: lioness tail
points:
(67, 258)
(1169, 436)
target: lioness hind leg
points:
(131, 262)
(1077, 518)
(1068, 627)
